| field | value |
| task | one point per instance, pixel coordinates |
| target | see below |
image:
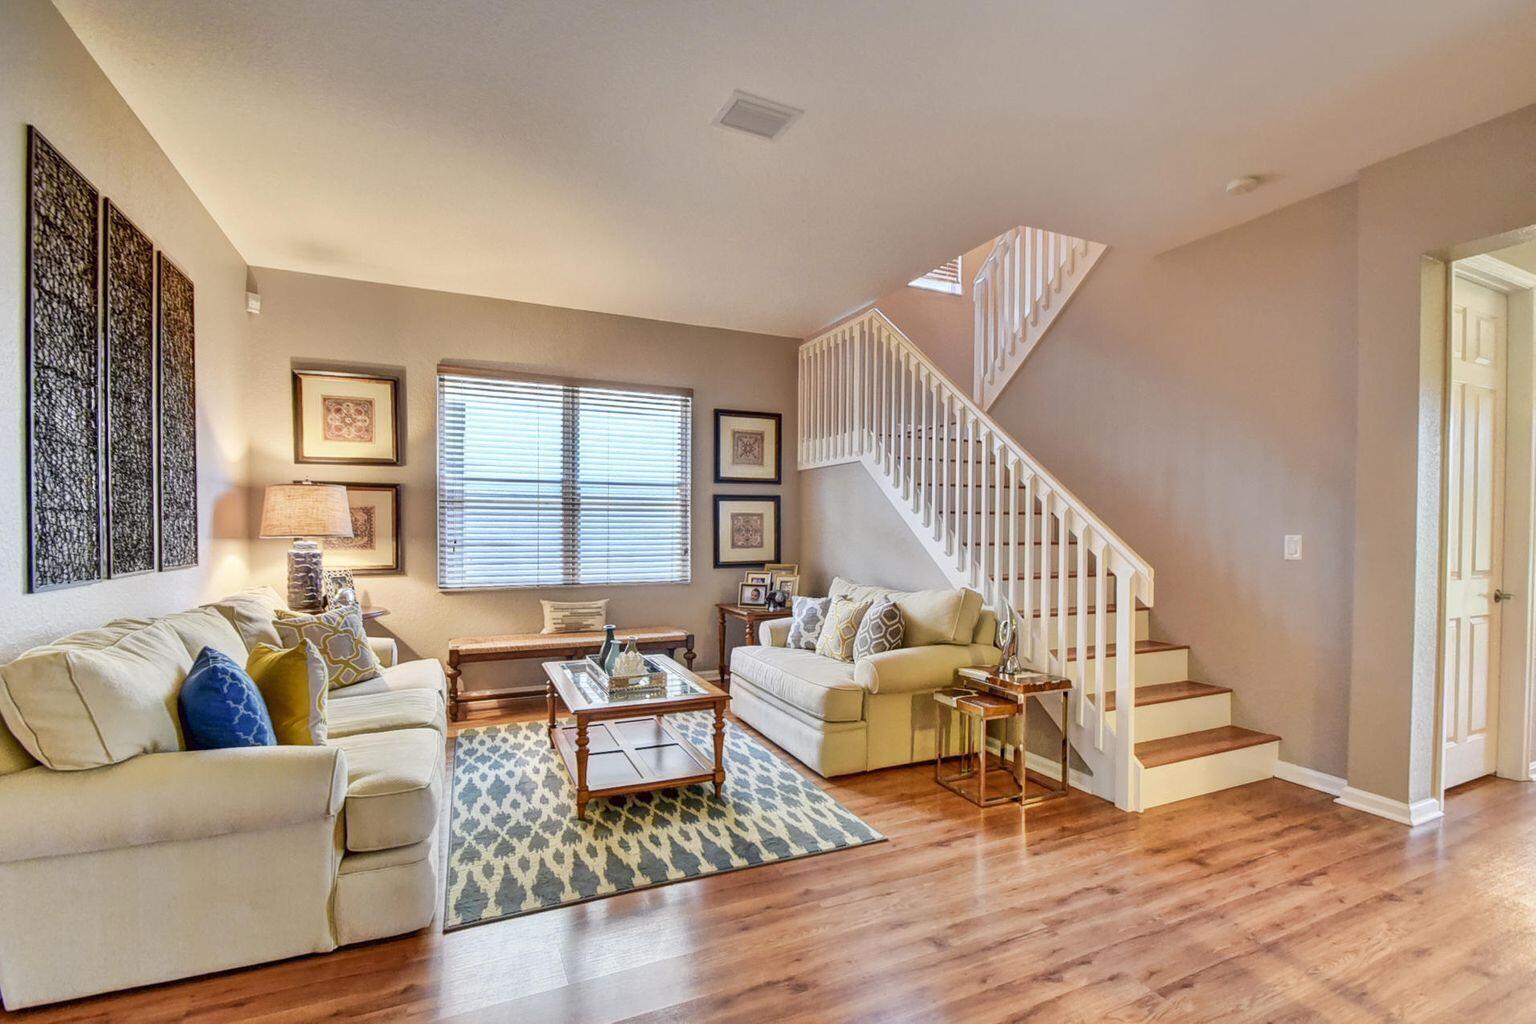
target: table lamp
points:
(304, 510)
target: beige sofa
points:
(841, 718)
(171, 863)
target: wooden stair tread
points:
(1058, 612)
(1142, 647)
(1155, 753)
(1162, 693)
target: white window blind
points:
(941, 279)
(544, 482)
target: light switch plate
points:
(1293, 547)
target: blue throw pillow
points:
(221, 707)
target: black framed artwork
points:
(348, 419)
(375, 545)
(748, 448)
(746, 529)
(176, 341)
(128, 347)
(63, 367)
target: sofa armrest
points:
(387, 650)
(915, 669)
(166, 798)
(773, 633)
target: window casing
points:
(545, 482)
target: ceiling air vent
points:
(756, 116)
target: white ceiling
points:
(560, 151)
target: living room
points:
(382, 370)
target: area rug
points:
(515, 845)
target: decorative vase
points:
(630, 663)
(609, 651)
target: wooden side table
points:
(749, 616)
(993, 697)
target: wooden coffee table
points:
(620, 744)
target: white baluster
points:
(1044, 582)
(1101, 636)
(1027, 606)
(1063, 517)
(1125, 688)
(1083, 604)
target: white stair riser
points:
(1200, 775)
(1151, 667)
(1177, 717)
(1143, 625)
(1089, 588)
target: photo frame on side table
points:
(752, 595)
(746, 530)
(747, 448)
(345, 418)
(374, 549)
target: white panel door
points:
(1474, 511)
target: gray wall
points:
(47, 79)
(849, 529)
(409, 331)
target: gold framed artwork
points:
(746, 530)
(345, 418)
(374, 547)
(747, 449)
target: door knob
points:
(1501, 595)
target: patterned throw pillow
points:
(808, 614)
(575, 616)
(293, 684)
(220, 706)
(880, 630)
(842, 628)
(339, 637)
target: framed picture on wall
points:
(345, 418)
(374, 547)
(746, 530)
(747, 447)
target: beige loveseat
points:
(841, 718)
(168, 863)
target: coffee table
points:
(622, 743)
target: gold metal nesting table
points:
(979, 697)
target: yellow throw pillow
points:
(293, 683)
(339, 636)
(841, 628)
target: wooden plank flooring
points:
(1264, 903)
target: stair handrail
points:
(1139, 565)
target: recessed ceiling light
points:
(754, 115)
(1242, 186)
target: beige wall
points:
(47, 79)
(310, 320)
(1202, 402)
(849, 529)
(1478, 184)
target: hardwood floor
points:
(1263, 903)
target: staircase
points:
(1020, 290)
(993, 519)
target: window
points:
(941, 279)
(544, 482)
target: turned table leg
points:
(453, 685)
(688, 654)
(549, 704)
(719, 748)
(581, 768)
(725, 666)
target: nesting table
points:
(981, 696)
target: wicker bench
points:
(465, 650)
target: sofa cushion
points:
(380, 712)
(340, 638)
(939, 616)
(294, 683)
(205, 627)
(97, 697)
(820, 687)
(394, 787)
(251, 613)
(841, 629)
(221, 707)
(422, 674)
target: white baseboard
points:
(1417, 813)
(1081, 781)
(1301, 775)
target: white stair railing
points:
(991, 515)
(1020, 290)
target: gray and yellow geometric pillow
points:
(339, 637)
(880, 630)
(841, 629)
(808, 615)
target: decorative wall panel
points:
(130, 372)
(64, 501)
(178, 420)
